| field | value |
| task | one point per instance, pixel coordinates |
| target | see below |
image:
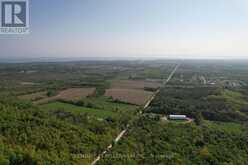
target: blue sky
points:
(133, 28)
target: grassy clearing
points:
(101, 107)
(34, 96)
(225, 127)
(77, 109)
(234, 97)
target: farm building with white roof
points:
(178, 117)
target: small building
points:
(163, 118)
(178, 117)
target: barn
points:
(178, 117)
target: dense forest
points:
(29, 135)
(158, 142)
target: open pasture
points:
(33, 96)
(77, 109)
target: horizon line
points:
(78, 59)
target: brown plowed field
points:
(135, 84)
(75, 94)
(72, 94)
(132, 96)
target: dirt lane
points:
(122, 133)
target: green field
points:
(107, 104)
(99, 107)
(77, 109)
(235, 97)
(225, 126)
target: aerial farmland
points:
(105, 108)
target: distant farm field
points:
(135, 84)
(75, 94)
(132, 96)
(77, 109)
(72, 94)
(33, 96)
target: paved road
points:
(118, 138)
